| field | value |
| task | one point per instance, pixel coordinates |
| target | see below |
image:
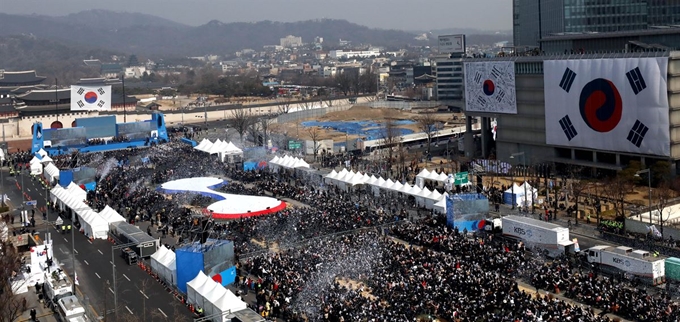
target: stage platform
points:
(97, 148)
(228, 206)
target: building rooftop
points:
(20, 78)
(46, 95)
(540, 58)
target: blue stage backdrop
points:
(467, 211)
(98, 127)
(215, 258)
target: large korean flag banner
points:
(490, 87)
(86, 98)
(608, 104)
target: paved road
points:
(138, 293)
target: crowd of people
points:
(353, 257)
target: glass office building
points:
(532, 18)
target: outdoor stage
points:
(228, 206)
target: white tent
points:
(395, 186)
(440, 206)
(51, 172)
(36, 167)
(163, 263)
(380, 182)
(513, 193)
(405, 188)
(442, 177)
(387, 184)
(433, 176)
(229, 302)
(356, 179)
(372, 180)
(204, 145)
(42, 153)
(331, 176)
(301, 164)
(211, 299)
(423, 174)
(93, 225)
(111, 216)
(194, 285)
(233, 149)
(414, 191)
(208, 287)
(46, 159)
(76, 191)
(421, 196)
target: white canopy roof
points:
(111, 216)
(46, 159)
(42, 152)
(516, 190)
(435, 195)
(35, 160)
(194, 285)
(424, 193)
(380, 182)
(405, 188)
(333, 175)
(387, 184)
(423, 173)
(372, 180)
(395, 186)
(356, 179)
(415, 190)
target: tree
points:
(11, 305)
(428, 124)
(577, 186)
(344, 82)
(264, 126)
(390, 137)
(253, 130)
(240, 121)
(314, 135)
(616, 189)
(661, 173)
(283, 104)
(662, 196)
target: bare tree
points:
(306, 104)
(344, 82)
(577, 186)
(616, 189)
(253, 130)
(428, 124)
(314, 135)
(265, 127)
(240, 121)
(390, 138)
(11, 305)
(662, 196)
(284, 104)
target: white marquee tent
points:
(212, 296)
(51, 172)
(163, 263)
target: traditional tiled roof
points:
(20, 78)
(46, 95)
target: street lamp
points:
(524, 165)
(649, 186)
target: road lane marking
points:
(111, 290)
(127, 278)
(89, 241)
(66, 240)
(140, 291)
(75, 250)
(28, 189)
(95, 273)
(86, 263)
(129, 310)
(100, 251)
(165, 315)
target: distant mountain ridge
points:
(150, 35)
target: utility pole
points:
(124, 107)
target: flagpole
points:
(56, 97)
(124, 107)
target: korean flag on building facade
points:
(87, 98)
(616, 105)
(490, 87)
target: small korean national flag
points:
(88, 98)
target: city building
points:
(448, 71)
(534, 19)
(658, 38)
(641, 123)
(338, 54)
(290, 41)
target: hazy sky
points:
(398, 14)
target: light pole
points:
(649, 187)
(524, 171)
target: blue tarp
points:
(65, 177)
(90, 186)
(190, 142)
(369, 129)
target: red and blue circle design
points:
(600, 105)
(488, 87)
(91, 97)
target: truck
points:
(550, 239)
(57, 285)
(636, 265)
(69, 309)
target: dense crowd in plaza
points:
(353, 257)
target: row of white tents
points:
(214, 298)
(430, 199)
(40, 160)
(163, 262)
(520, 195)
(223, 149)
(287, 162)
(94, 224)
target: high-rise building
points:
(449, 73)
(534, 19)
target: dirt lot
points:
(364, 113)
